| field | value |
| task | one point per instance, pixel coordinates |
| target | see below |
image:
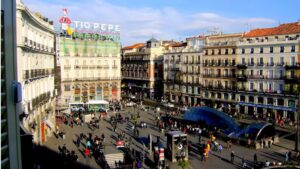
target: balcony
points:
(67, 66)
(241, 66)
(242, 78)
(255, 77)
(292, 66)
(270, 64)
(260, 64)
(292, 79)
(280, 64)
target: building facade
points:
(268, 72)
(182, 68)
(90, 70)
(218, 76)
(142, 69)
(35, 63)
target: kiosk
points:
(177, 146)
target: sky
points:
(141, 20)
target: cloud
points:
(140, 24)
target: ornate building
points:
(35, 67)
(142, 69)
(90, 70)
(182, 67)
(268, 72)
(218, 76)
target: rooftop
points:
(137, 45)
(282, 29)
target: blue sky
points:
(173, 19)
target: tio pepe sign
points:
(89, 30)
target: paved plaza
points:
(215, 160)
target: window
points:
(67, 88)
(260, 100)
(219, 51)
(252, 50)
(251, 72)
(261, 60)
(261, 50)
(260, 87)
(242, 98)
(226, 51)
(269, 87)
(251, 86)
(281, 60)
(293, 60)
(251, 61)
(271, 49)
(260, 72)
(281, 49)
(280, 73)
(243, 51)
(280, 88)
(251, 99)
(270, 100)
(271, 61)
(233, 51)
(206, 52)
(212, 52)
(243, 61)
(293, 48)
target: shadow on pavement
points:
(49, 159)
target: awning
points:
(50, 124)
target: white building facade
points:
(35, 64)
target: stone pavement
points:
(215, 160)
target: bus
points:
(97, 105)
(76, 106)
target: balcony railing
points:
(292, 66)
(37, 73)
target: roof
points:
(178, 44)
(153, 40)
(137, 45)
(283, 29)
(97, 102)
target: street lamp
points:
(297, 121)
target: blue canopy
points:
(212, 117)
(256, 131)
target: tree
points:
(184, 164)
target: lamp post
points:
(297, 122)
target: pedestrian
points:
(269, 143)
(232, 156)
(87, 152)
(286, 157)
(88, 144)
(244, 165)
(220, 148)
(78, 141)
(199, 132)
(255, 158)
